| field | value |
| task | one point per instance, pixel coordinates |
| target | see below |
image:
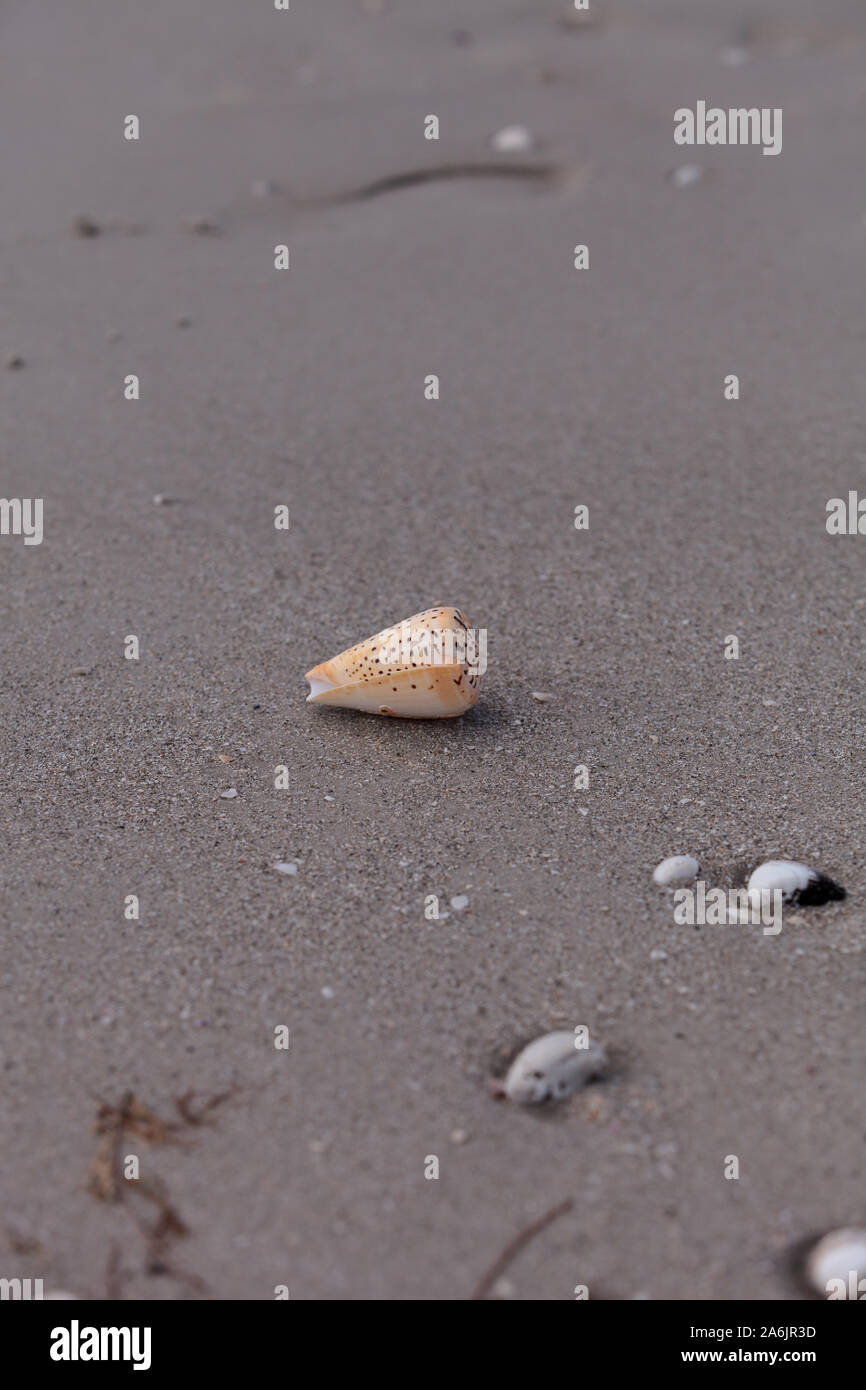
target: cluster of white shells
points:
(836, 1265)
(774, 875)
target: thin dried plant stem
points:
(514, 1247)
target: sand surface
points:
(306, 387)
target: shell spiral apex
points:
(427, 667)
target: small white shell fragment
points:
(543, 696)
(838, 1256)
(229, 794)
(784, 874)
(512, 139)
(686, 174)
(460, 902)
(283, 867)
(552, 1067)
(678, 868)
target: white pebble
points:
(678, 868)
(460, 902)
(512, 139)
(285, 868)
(658, 954)
(784, 874)
(227, 795)
(327, 992)
(686, 174)
(552, 1067)
(837, 1257)
(543, 696)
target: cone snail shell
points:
(426, 667)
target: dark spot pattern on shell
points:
(362, 665)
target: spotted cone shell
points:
(426, 667)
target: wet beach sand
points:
(305, 388)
